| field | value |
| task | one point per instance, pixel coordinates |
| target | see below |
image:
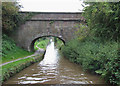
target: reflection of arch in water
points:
(31, 47)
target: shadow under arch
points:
(33, 41)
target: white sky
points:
(51, 5)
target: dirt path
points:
(39, 49)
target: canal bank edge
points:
(12, 68)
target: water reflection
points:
(51, 56)
(54, 69)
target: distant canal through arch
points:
(54, 69)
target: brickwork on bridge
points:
(61, 25)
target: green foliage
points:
(69, 50)
(11, 18)
(10, 69)
(41, 43)
(82, 32)
(58, 42)
(10, 51)
(96, 56)
(104, 19)
(99, 51)
(51, 22)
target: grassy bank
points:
(10, 51)
(98, 57)
(41, 43)
(11, 69)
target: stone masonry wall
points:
(62, 25)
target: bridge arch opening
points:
(42, 41)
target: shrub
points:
(96, 56)
(104, 19)
(10, 51)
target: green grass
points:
(41, 44)
(10, 51)
(10, 69)
(12, 55)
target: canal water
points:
(54, 69)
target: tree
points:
(10, 16)
(104, 19)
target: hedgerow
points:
(96, 57)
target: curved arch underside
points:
(31, 47)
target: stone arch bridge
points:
(61, 25)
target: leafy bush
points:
(69, 50)
(11, 18)
(100, 52)
(103, 19)
(96, 56)
(7, 45)
(10, 51)
(82, 32)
